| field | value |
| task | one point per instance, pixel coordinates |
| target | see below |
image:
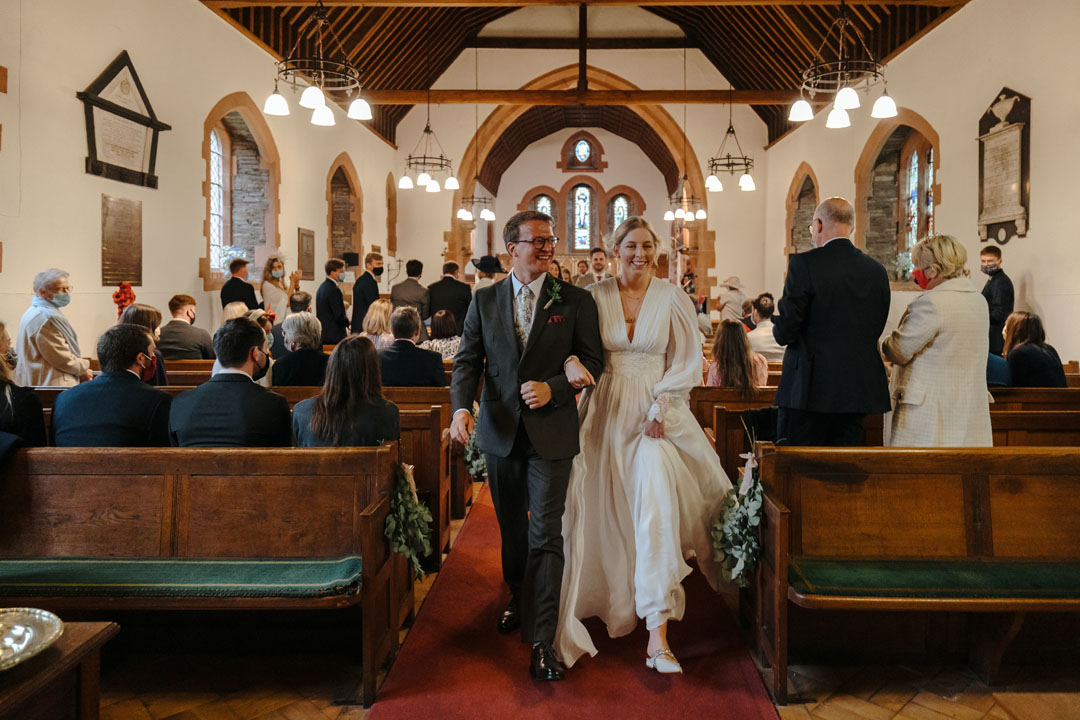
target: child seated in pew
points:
(1032, 361)
(734, 365)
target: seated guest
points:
(997, 372)
(403, 363)
(748, 314)
(20, 408)
(119, 408)
(444, 338)
(299, 302)
(179, 339)
(230, 410)
(149, 318)
(237, 288)
(761, 337)
(306, 362)
(350, 410)
(266, 321)
(938, 382)
(1032, 361)
(734, 365)
(377, 324)
(48, 349)
(234, 310)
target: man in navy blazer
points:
(449, 293)
(230, 410)
(834, 309)
(330, 304)
(237, 288)
(118, 408)
(403, 363)
(366, 290)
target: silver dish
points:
(24, 632)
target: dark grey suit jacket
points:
(453, 295)
(410, 292)
(183, 341)
(584, 281)
(568, 327)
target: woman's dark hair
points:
(731, 351)
(443, 325)
(147, 316)
(1023, 327)
(352, 380)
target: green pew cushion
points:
(186, 577)
(927, 579)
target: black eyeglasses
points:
(541, 242)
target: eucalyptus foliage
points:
(474, 458)
(735, 535)
(408, 524)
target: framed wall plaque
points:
(306, 240)
(121, 126)
(1004, 167)
(121, 241)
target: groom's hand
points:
(535, 394)
(461, 427)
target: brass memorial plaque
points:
(121, 240)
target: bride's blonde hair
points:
(634, 222)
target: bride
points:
(647, 484)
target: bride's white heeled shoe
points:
(663, 661)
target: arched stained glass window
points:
(217, 200)
(930, 192)
(582, 196)
(620, 210)
(582, 151)
(544, 204)
(913, 201)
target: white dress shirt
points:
(535, 286)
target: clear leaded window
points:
(620, 210)
(582, 151)
(913, 201)
(217, 201)
(582, 217)
(544, 204)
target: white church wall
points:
(950, 77)
(187, 59)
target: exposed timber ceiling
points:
(758, 45)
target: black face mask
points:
(261, 372)
(192, 318)
(376, 271)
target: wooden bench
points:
(1035, 399)
(988, 531)
(425, 443)
(272, 513)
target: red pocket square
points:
(557, 319)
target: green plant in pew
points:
(735, 534)
(408, 524)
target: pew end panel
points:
(425, 443)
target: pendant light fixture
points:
(424, 162)
(468, 202)
(684, 206)
(726, 162)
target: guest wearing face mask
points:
(330, 304)
(120, 408)
(20, 408)
(231, 410)
(275, 289)
(998, 292)
(366, 289)
(47, 348)
(149, 318)
(306, 362)
(179, 339)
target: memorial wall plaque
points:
(1004, 167)
(306, 240)
(121, 241)
(121, 127)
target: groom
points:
(528, 327)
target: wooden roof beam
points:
(593, 43)
(230, 4)
(574, 97)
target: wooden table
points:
(62, 682)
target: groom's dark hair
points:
(511, 231)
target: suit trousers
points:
(529, 494)
(805, 427)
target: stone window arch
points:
(634, 205)
(532, 197)
(572, 159)
(344, 209)
(802, 200)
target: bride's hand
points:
(654, 429)
(578, 376)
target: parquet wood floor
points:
(161, 685)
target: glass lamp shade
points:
(405, 183)
(801, 111)
(680, 213)
(669, 216)
(700, 214)
(276, 104)
(486, 214)
(459, 213)
(884, 107)
(746, 183)
(432, 186)
(847, 99)
(688, 219)
(359, 109)
(466, 215)
(711, 182)
(451, 183)
(838, 118)
(312, 98)
(323, 116)
(423, 179)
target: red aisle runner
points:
(454, 664)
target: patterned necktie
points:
(524, 314)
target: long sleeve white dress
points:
(637, 507)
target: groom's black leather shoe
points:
(511, 618)
(544, 665)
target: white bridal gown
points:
(638, 507)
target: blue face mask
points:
(61, 299)
(269, 341)
(277, 274)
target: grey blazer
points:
(410, 292)
(584, 281)
(567, 327)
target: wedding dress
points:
(637, 507)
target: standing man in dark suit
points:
(330, 304)
(237, 288)
(597, 269)
(834, 308)
(403, 363)
(521, 336)
(449, 293)
(409, 292)
(179, 338)
(118, 408)
(366, 290)
(230, 410)
(998, 292)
